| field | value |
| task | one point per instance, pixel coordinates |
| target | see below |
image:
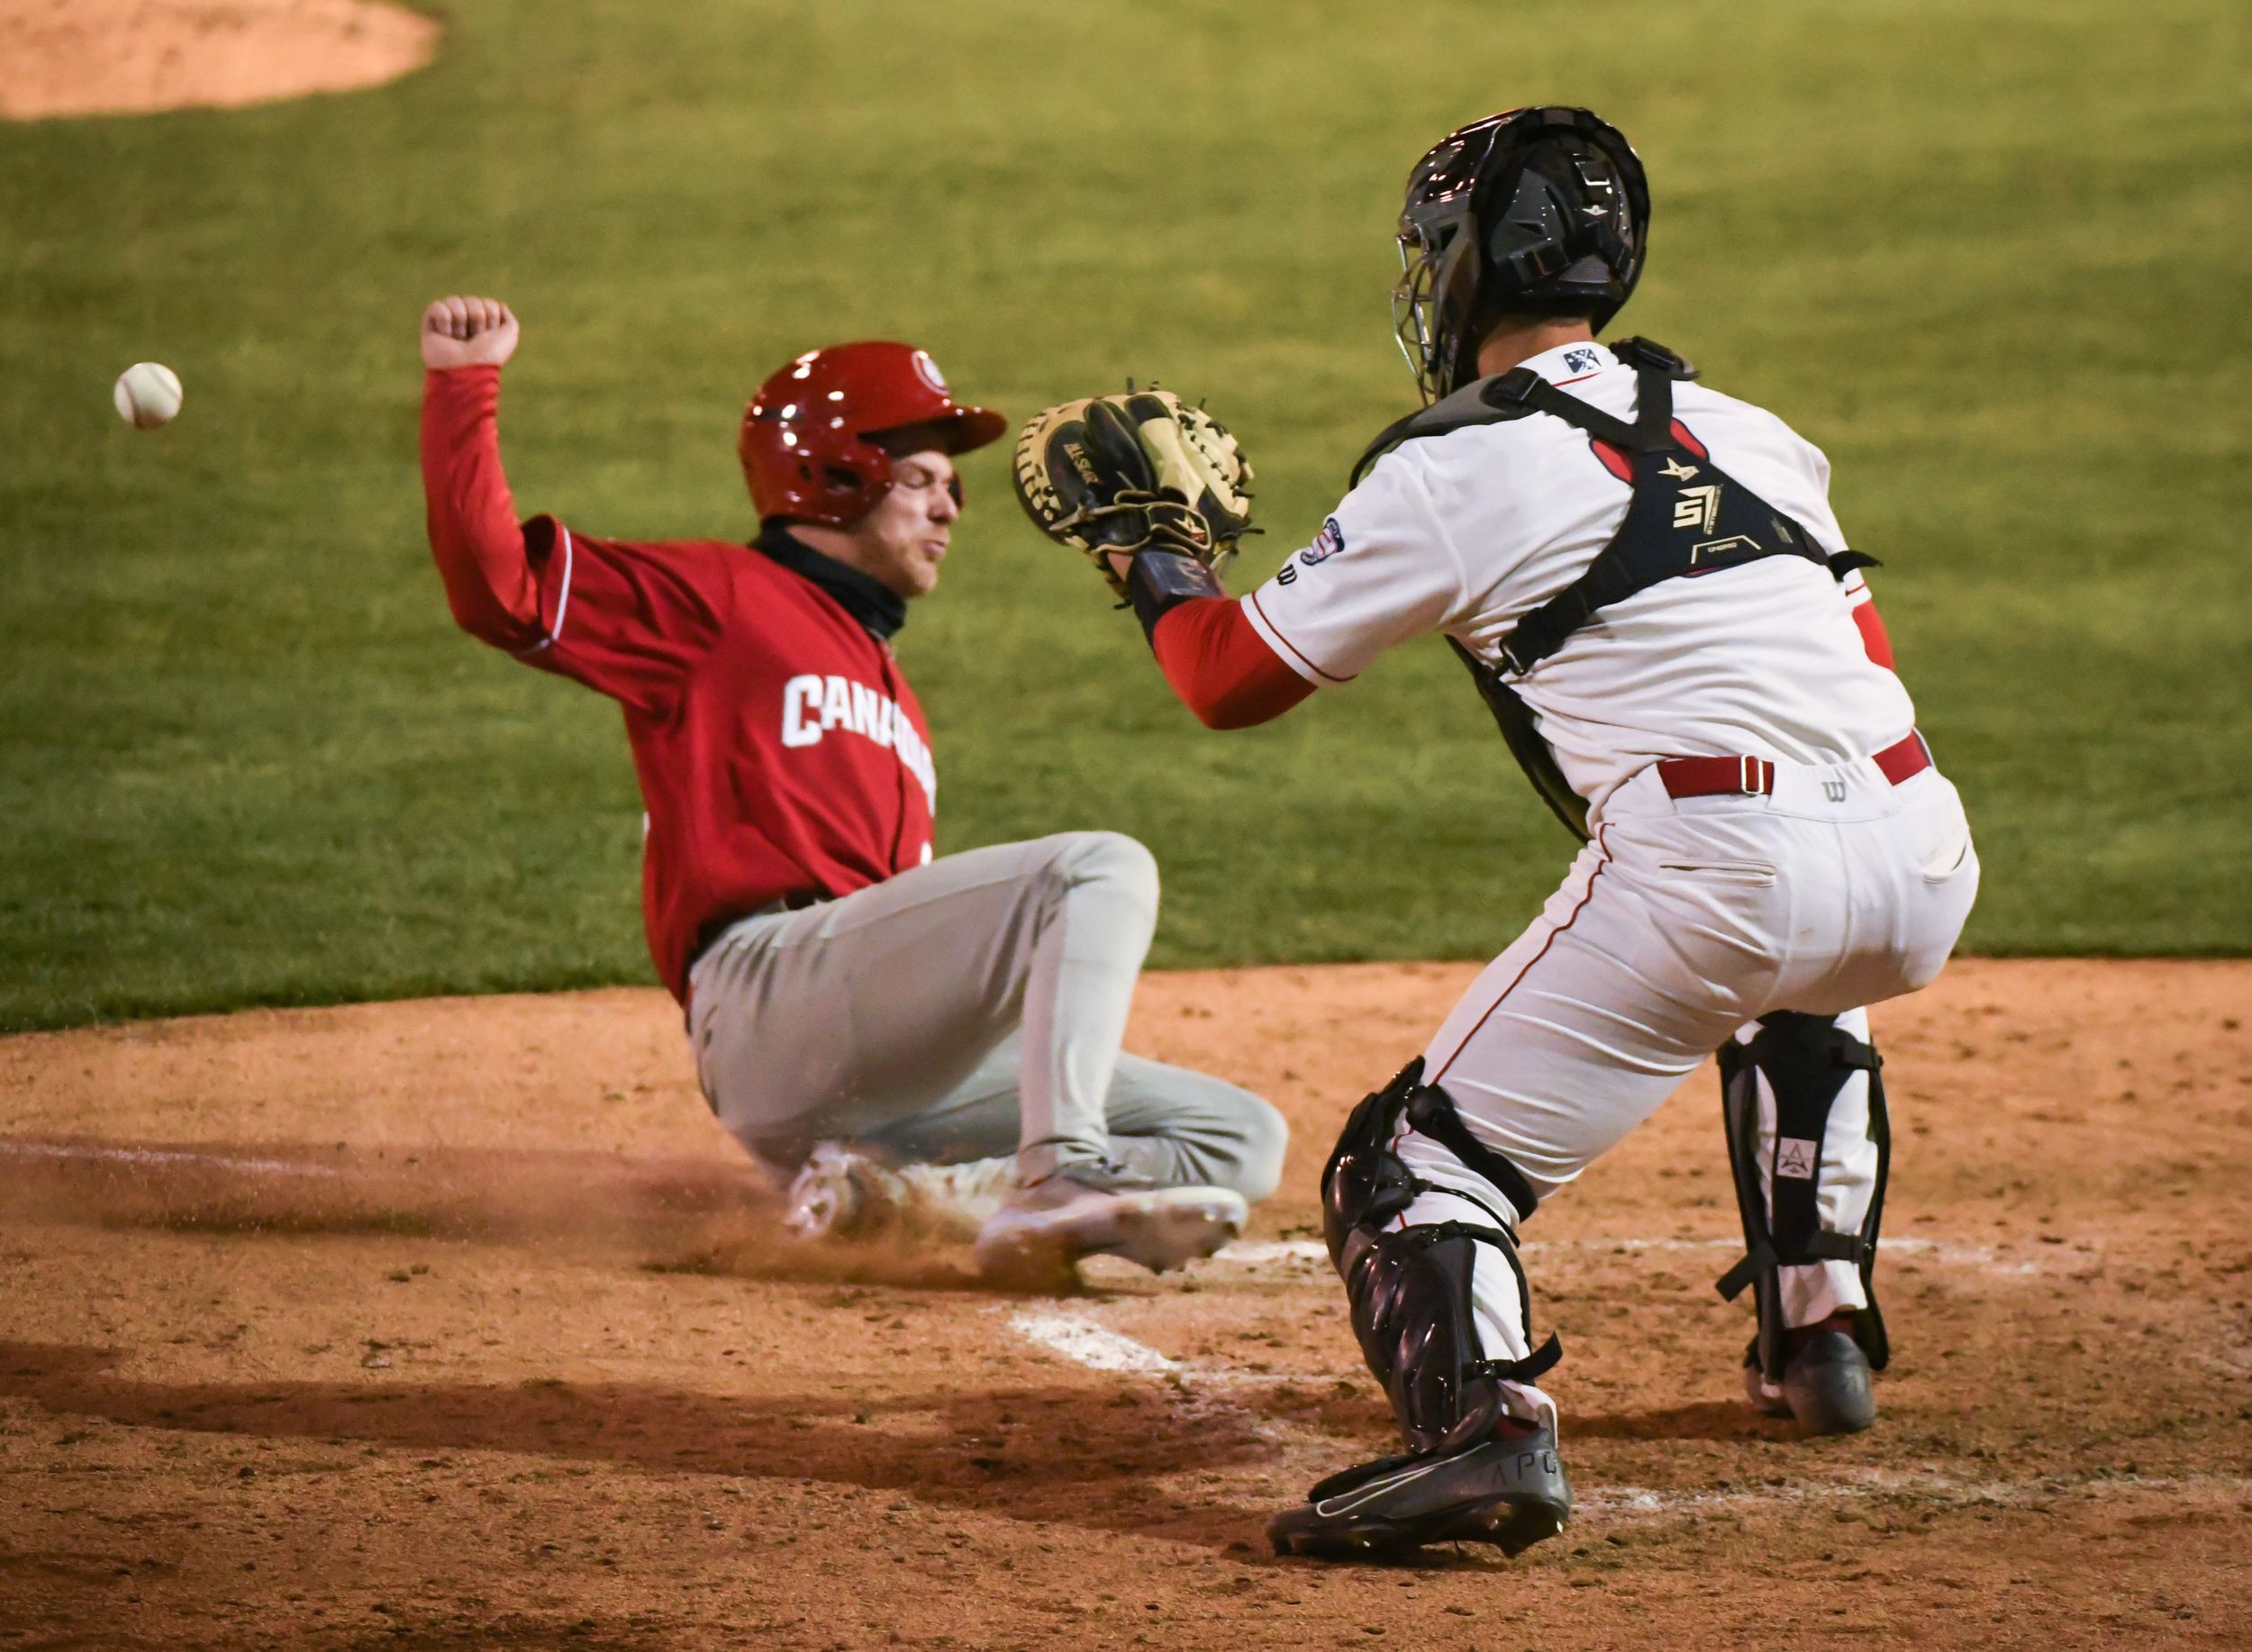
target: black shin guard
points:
(1411, 1288)
(1807, 1061)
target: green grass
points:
(1988, 256)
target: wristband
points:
(1160, 581)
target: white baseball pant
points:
(969, 1009)
(1679, 923)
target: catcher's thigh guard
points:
(1781, 1101)
(1410, 1287)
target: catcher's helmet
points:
(818, 438)
(1537, 209)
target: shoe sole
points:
(826, 1200)
(1509, 1523)
(1768, 1402)
(831, 1214)
(1160, 1230)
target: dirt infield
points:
(457, 1323)
(113, 56)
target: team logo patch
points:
(928, 371)
(1796, 1158)
(1581, 360)
(1326, 544)
(1697, 507)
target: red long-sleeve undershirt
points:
(1221, 667)
(1225, 671)
(1874, 640)
(490, 583)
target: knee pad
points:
(1367, 1184)
(1409, 1289)
(1806, 1060)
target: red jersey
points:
(778, 748)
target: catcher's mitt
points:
(1131, 472)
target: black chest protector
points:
(1686, 518)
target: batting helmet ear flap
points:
(847, 486)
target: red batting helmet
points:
(817, 440)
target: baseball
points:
(148, 393)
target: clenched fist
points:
(467, 332)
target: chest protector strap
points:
(1686, 518)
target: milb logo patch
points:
(1326, 544)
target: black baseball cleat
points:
(1826, 1385)
(1509, 1492)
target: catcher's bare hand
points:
(467, 332)
(1115, 475)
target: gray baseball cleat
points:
(847, 1192)
(1826, 1385)
(1100, 1210)
(1511, 1493)
(835, 1194)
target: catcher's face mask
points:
(1438, 256)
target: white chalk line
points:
(1098, 1348)
(1633, 1504)
(1198, 1394)
(1085, 1342)
(163, 1155)
(1293, 1258)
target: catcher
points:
(1647, 583)
(924, 1046)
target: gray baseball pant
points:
(969, 1009)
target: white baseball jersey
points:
(1466, 532)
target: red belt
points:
(1754, 776)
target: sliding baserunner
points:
(920, 1042)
